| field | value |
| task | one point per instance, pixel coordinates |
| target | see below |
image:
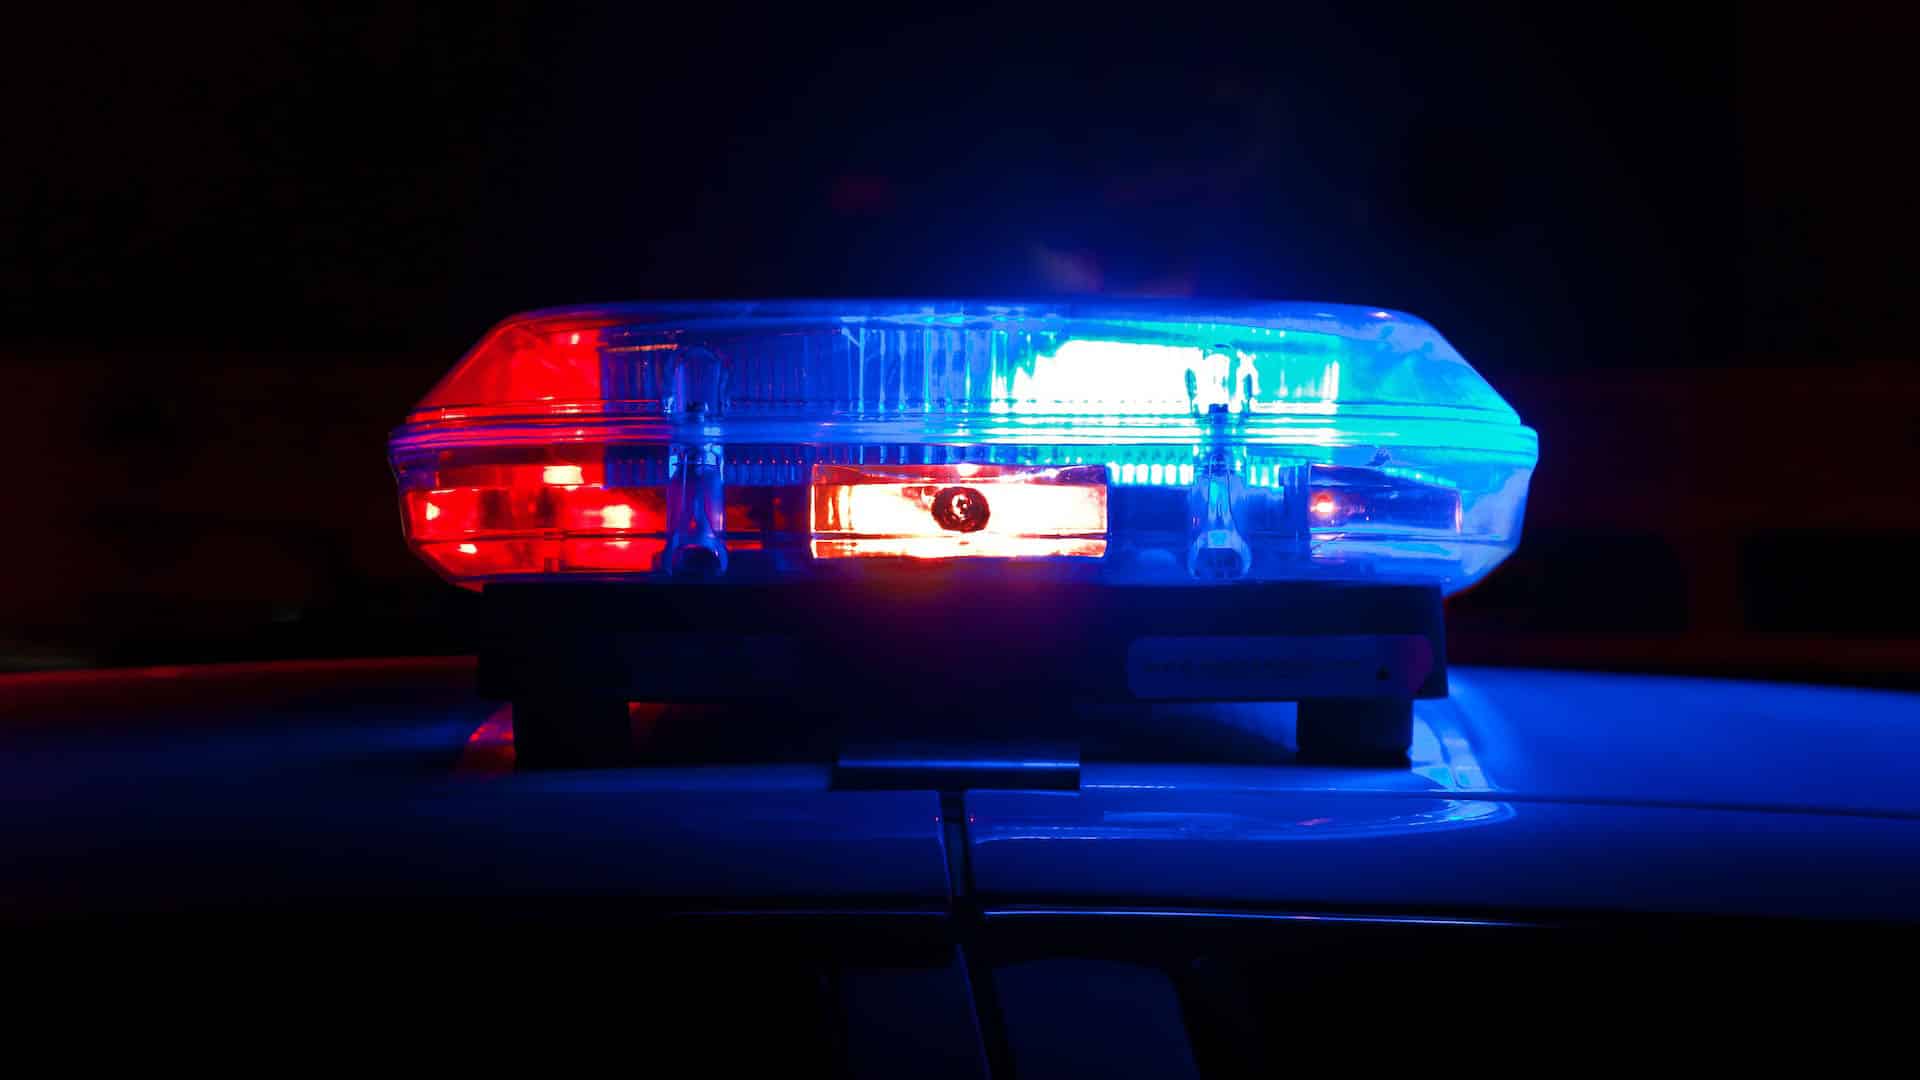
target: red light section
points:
(487, 518)
(1323, 504)
(489, 512)
(521, 366)
(577, 555)
(467, 512)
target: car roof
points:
(1528, 790)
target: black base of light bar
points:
(938, 656)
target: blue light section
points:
(1149, 467)
(1022, 360)
(1129, 378)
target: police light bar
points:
(1122, 444)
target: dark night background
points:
(239, 244)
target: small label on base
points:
(1278, 668)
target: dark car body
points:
(1564, 852)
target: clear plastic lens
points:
(774, 442)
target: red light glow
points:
(957, 547)
(1323, 504)
(490, 748)
(523, 504)
(543, 555)
(1005, 511)
(519, 365)
(510, 512)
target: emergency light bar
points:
(1128, 444)
(959, 515)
